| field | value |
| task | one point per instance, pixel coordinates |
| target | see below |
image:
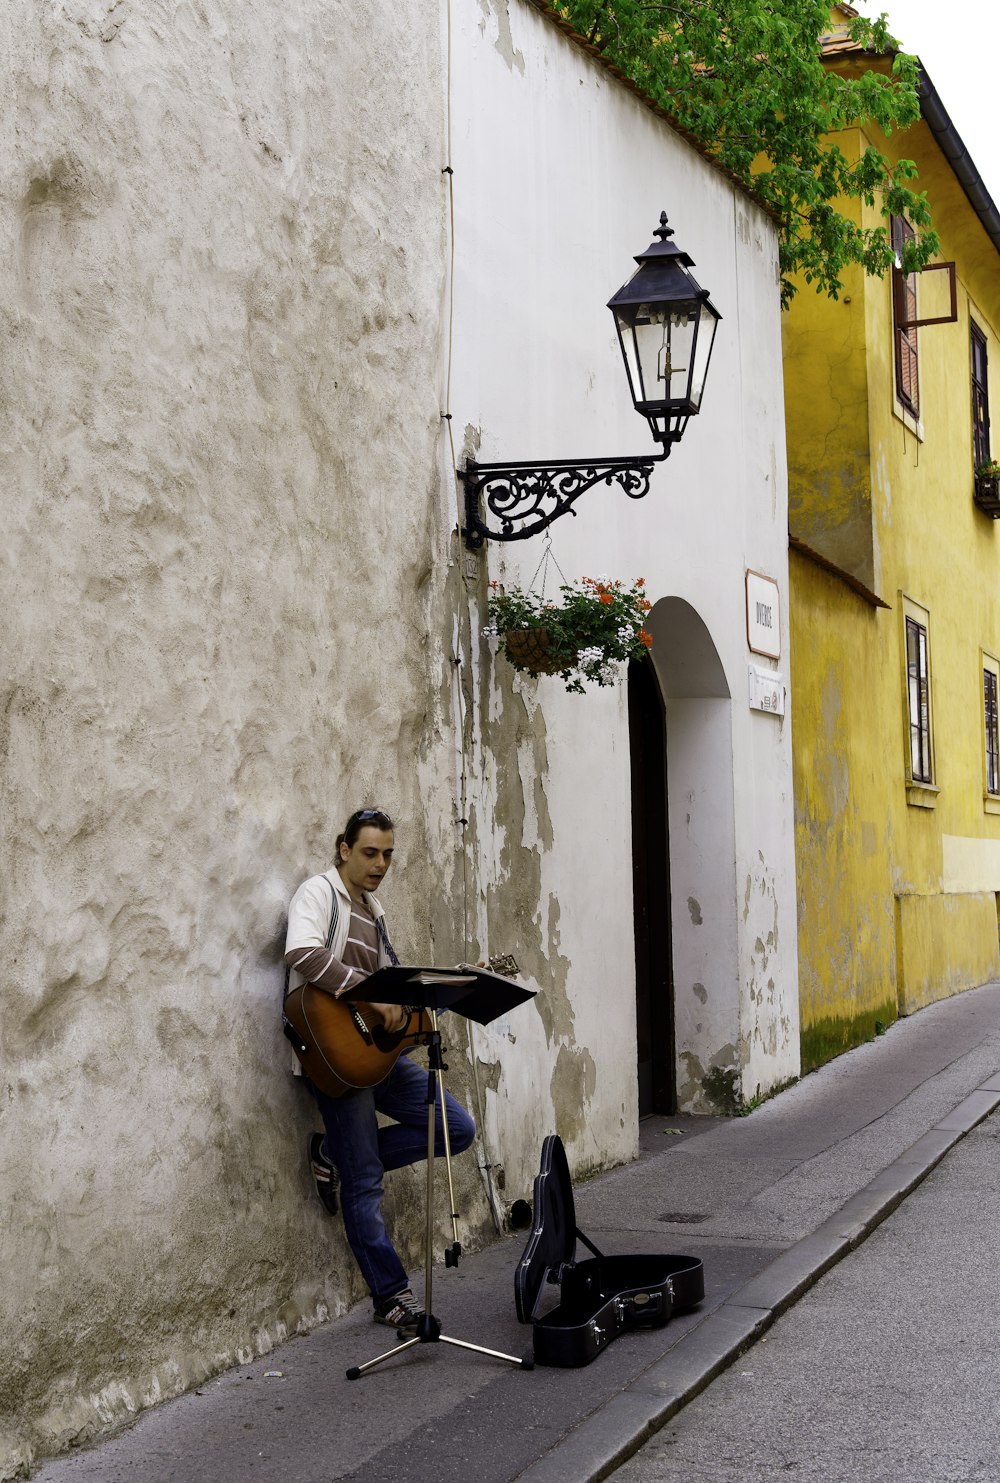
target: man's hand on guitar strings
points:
(393, 1016)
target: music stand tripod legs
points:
(429, 1330)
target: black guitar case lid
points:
(599, 1299)
(552, 1243)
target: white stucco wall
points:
(560, 175)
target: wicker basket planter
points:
(530, 649)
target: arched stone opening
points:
(693, 852)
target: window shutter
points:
(904, 309)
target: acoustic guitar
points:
(344, 1047)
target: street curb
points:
(615, 1431)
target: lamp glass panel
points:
(648, 331)
(664, 342)
(707, 322)
(676, 356)
(624, 323)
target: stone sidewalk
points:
(769, 1202)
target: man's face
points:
(366, 862)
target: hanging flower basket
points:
(532, 650)
(594, 628)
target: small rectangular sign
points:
(763, 615)
(767, 690)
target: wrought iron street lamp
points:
(666, 325)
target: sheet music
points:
(443, 976)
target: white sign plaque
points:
(763, 615)
(767, 690)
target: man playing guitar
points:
(336, 938)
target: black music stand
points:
(479, 995)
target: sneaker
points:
(400, 1312)
(325, 1174)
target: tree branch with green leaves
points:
(747, 79)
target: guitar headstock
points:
(505, 964)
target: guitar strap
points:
(334, 913)
(383, 935)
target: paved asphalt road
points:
(887, 1371)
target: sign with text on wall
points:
(767, 690)
(763, 615)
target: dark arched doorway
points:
(654, 997)
(684, 861)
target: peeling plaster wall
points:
(225, 590)
(560, 175)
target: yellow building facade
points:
(895, 612)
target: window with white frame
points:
(918, 692)
(991, 725)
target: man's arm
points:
(320, 967)
(326, 972)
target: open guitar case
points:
(600, 1298)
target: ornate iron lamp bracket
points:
(523, 498)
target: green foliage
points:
(759, 1098)
(746, 78)
(721, 1088)
(826, 1038)
(596, 627)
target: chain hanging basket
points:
(587, 633)
(531, 649)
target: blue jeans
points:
(363, 1152)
